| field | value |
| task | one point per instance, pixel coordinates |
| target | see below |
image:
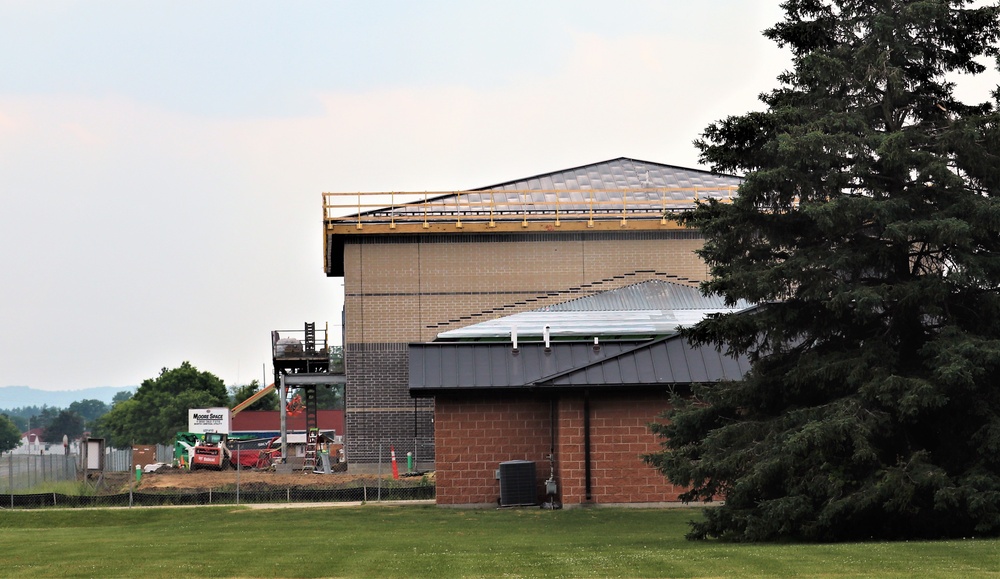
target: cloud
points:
(631, 96)
(141, 236)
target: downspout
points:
(586, 445)
(552, 427)
(551, 487)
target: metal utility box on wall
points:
(517, 483)
(93, 453)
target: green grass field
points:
(426, 541)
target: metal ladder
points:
(312, 443)
(310, 335)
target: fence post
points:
(131, 484)
(238, 456)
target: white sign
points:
(202, 420)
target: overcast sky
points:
(161, 163)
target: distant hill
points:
(19, 396)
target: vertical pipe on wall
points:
(553, 418)
(586, 444)
(552, 426)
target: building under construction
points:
(416, 265)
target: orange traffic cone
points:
(395, 469)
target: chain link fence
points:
(35, 481)
(26, 471)
(374, 455)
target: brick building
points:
(568, 390)
(415, 266)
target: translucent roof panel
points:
(650, 308)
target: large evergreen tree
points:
(868, 228)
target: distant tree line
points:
(153, 414)
(56, 422)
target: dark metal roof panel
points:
(437, 366)
(665, 361)
(679, 356)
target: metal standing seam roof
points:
(649, 308)
(578, 189)
(437, 367)
(620, 173)
(620, 194)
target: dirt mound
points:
(172, 478)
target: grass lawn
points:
(426, 541)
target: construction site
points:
(505, 345)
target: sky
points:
(162, 163)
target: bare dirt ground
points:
(178, 479)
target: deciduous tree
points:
(159, 408)
(10, 435)
(89, 409)
(66, 423)
(868, 227)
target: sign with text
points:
(202, 420)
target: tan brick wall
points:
(408, 292)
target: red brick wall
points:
(476, 433)
(619, 436)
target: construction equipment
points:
(257, 453)
(184, 445)
(257, 396)
(212, 452)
